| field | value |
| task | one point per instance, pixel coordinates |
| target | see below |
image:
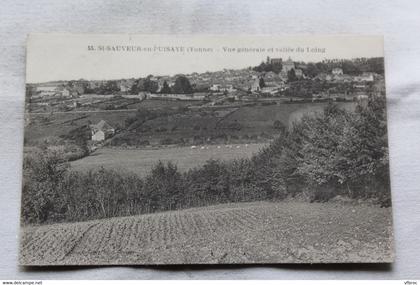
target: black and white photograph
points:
(142, 149)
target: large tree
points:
(150, 85)
(262, 82)
(291, 75)
(165, 88)
(182, 85)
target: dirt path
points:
(258, 232)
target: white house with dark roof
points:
(101, 131)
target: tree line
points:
(181, 85)
(336, 152)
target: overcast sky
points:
(53, 57)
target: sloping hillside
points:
(258, 232)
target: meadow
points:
(141, 161)
(257, 232)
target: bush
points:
(43, 172)
(208, 184)
(279, 126)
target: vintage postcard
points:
(144, 149)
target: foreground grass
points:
(257, 232)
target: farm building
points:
(222, 88)
(365, 77)
(48, 89)
(271, 90)
(180, 97)
(68, 92)
(102, 131)
(362, 97)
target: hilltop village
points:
(275, 78)
(248, 105)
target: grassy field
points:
(140, 161)
(258, 232)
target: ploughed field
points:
(257, 232)
(141, 161)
